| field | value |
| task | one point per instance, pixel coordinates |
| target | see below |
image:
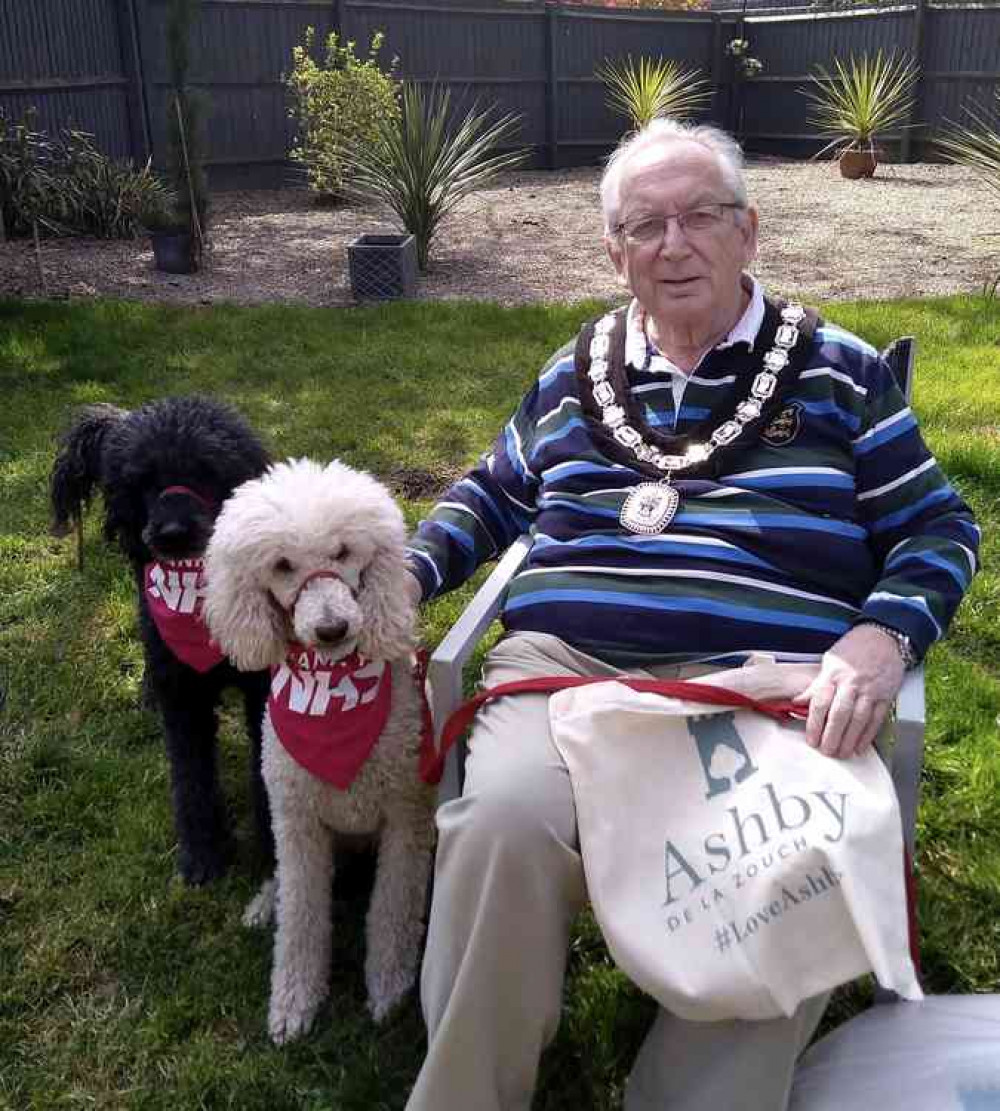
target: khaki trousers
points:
(508, 883)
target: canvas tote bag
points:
(734, 870)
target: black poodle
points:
(164, 471)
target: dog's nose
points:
(331, 632)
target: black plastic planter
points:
(383, 267)
(172, 251)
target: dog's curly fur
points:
(132, 458)
(274, 532)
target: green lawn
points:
(119, 988)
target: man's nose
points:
(674, 241)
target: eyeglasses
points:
(693, 221)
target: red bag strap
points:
(461, 719)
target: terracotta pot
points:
(857, 163)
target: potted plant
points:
(178, 233)
(169, 233)
(859, 101)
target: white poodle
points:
(305, 576)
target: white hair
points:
(663, 132)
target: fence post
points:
(337, 17)
(551, 86)
(720, 112)
(917, 50)
(140, 143)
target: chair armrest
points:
(444, 670)
(908, 751)
(904, 759)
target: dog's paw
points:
(290, 1018)
(261, 908)
(201, 868)
(386, 989)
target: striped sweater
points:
(837, 514)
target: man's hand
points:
(858, 681)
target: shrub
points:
(70, 187)
(338, 105)
(25, 174)
(421, 168)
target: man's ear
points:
(749, 228)
(616, 252)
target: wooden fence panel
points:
(962, 67)
(776, 109)
(586, 40)
(239, 52)
(64, 59)
(483, 55)
(100, 65)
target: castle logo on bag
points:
(719, 745)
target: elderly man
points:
(707, 474)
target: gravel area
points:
(913, 230)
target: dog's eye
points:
(283, 566)
(341, 553)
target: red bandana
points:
(175, 591)
(329, 716)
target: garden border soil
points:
(911, 231)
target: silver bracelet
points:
(901, 640)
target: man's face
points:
(684, 279)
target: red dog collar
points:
(206, 501)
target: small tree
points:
(338, 105)
(185, 110)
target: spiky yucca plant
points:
(421, 166)
(643, 90)
(861, 99)
(976, 144)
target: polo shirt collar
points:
(639, 351)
